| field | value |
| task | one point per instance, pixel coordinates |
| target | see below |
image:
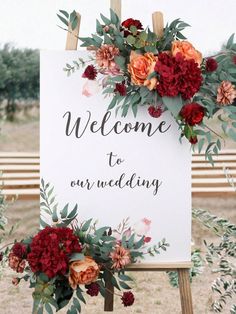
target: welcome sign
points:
(116, 169)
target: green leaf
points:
(80, 295)
(48, 308)
(131, 40)
(99, 28)
(114, 17)
(125, 277)
(173, 104)
(121, 62)
(73, 213)
(86, 225)
(76, 257)
(77, 304)
(112, 103)
(64, 211)
(64, 21)
(133, 30)
(200, 145)
(43, 223)
(143, 35)
(230, 41)
(66, 14)
(99, 232)
(105, 19)
(124, 285)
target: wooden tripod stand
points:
(183, 267)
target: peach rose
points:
(140, 67)
(187, 50)
(83, 272)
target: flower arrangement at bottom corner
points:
(138, 68)
(66, 259)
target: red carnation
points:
(121, 89)
(131, 22)
(211, 65)
(193, 140)
(19, 250)
(155, 112)
(192, 113)
(234, 59)
(177, 76)
(127, 298)
(90, 72)
(93, 289)
(50, 250)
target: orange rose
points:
(187, 50)
(140, 67)
(83, 272)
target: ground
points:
(154, 295)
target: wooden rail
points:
(21, 175)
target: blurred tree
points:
(19, 76)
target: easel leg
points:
(109, 294)
(185, 291)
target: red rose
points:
(211, 65)
(177, 76)
(192, 113)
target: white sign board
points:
(114, 167)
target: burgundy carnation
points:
(93, 289)
(177, 76)
(19, 250)
(192, 113)
(211, 65)
(234, 59)
(193, 140)
(131, 22)
(90, 72)
(50, 250)
(121, 89)
(127, 298)
(155, 112)
(1, 256)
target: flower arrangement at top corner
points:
(138, 68)
(69, 259)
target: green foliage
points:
(172, 32)
(19, 72)
(222, 256)
(196, 269)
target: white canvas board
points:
(160, 159)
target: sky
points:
(33, 23)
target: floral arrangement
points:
(138, 68)
(67, 258)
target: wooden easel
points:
(183, 267)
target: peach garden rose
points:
(83, 272)
(187, 50)
(140, 67)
